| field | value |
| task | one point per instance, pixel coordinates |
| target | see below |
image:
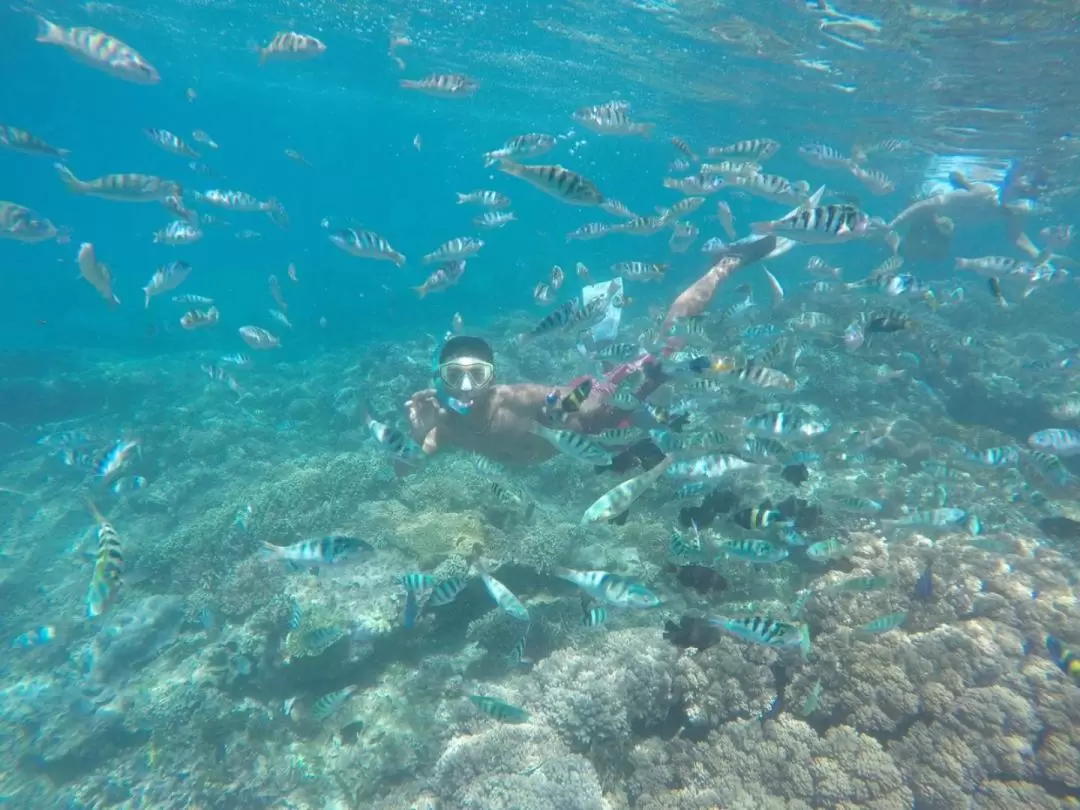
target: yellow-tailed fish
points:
(108, 573)
(618, 499)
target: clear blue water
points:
(975, 86)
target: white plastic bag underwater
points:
(608, 328)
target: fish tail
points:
(48, 31)
(70, 180)
(146, 291)
(421, 291)
(647, 130)
(761, 228)
(98, 517)
(804, 642)
(63, 153)
(530, 510)
(463, 198)
(408, 84)
(1053, 646)
(270, 552)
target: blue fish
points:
(924, 585)
(412, 610)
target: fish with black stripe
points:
(107, 579)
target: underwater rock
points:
(1060, 528)
(135, 637)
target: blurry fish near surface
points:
(289, 46)
(443, 85)
(258, 338)
(99, 50)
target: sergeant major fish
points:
(563, 184)
(531, 145)
(258, 338)
(504, 598)
(178, 232)
(167, 277)
(610, 588)
(170, 142)
(292, 47)
(19, 140)
(99, 50)
(138, 188)
(463, 247)
(443, 85)
(334, 549)
(392, 441)
(107, 578)
(366, 245)
(24, 225)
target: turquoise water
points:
(912, 659)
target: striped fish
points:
(822, 224)
(774, 188)
(366, 245)
(19, 140)
(170, 142)
(24, 225)
(138, 188)
(504, 598)
(607, 119)
(443, 85)
(461, 247)
(755, 148)
(573, 444)
(610, 588)
(292, 47)
(491, 199)
(107, 579)
(557, 181)
(533, 144)
(328, 705)
(765, 631)
(99, 50)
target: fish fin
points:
(68, 177)
(814, 200)
(620, 519)
(47, 31)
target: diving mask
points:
(466, 374)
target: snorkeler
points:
(469, 410)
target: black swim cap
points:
(465, 346)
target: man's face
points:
(467, 379)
